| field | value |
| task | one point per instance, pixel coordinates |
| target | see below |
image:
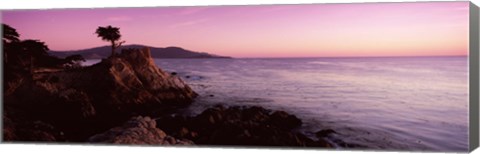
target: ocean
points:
(385, 103)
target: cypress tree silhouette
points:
(111, 34)
(36, 51)
(9, 37)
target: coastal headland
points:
(127, 99)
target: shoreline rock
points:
(103, 95)
(239, 126)
(137, 131)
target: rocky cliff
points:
(103, 95)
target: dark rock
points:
(237, 125)
(173, 73)
(32, 131)
(171, 123)
(256, 114)
(284, 120)
(8, 129)
(324, 133)
(183, 132)
(39, 131)
(138, 130)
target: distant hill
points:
(105, 51)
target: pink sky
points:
(322, 30)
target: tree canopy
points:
(35, 48)
(111, 34)
(25, 55)
(9, 34)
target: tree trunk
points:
(31, 64)
(113, 49)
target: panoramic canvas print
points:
(367, 76)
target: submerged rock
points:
(103, 95)
(324, 133)
(138, 130)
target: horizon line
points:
(409, 56)
(399, 56)
(322, 57)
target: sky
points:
(321, 30)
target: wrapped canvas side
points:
(474, 77)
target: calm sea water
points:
(414, 103)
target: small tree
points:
(74, 61)
(111, 34)
(9, 34)
(35, 49)
(9, 37)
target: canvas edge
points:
(474, 69)
(1, 81)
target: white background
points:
(85, 149)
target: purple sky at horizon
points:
(322, 30)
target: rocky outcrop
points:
(137, 131)
(122, 83)
(254, 126)
(104, 95)
(22, 130)
(90, 104)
